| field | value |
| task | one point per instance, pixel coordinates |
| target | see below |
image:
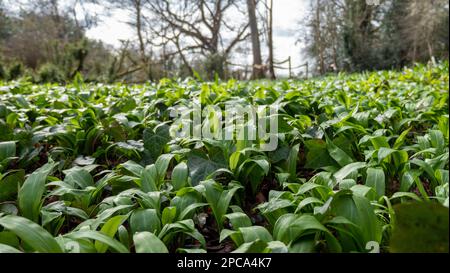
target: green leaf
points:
(10, 184)
(7, 150)
(234, 160)
(376, 180)
(337, 154)
(185, 226)
(144, 220)
(134, 168)
(359, 211)
(169, 214)
(191, 250)
(201, 166)
(307, 201)
(110, 228)
(291, 161)
(149, 179)
(406, 194)
(179, 176)
(8, 249)
(437, 141)
(254, 233)
(406, 182)
(318, 155)
(348, 169)
(218, 199)
(383, 153)
(156, 139)
(97, 236)
(147, 242)
(238, 220)
(290, 227)
(190, 209)
(30, 194)
(161, 164)
(79, 176)
(31, 233)
(257, 246)
(401, 139)
(420, 228)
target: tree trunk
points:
(258, 71)
(270, 41)
(144, 58)
(319, 40)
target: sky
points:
(286, 15)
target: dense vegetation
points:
(93, 168)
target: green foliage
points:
(3, 75)
(50, 73)
(95, 168)
(15, 70)
(421, 228)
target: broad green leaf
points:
(145, 220)
(8, 249)
(79, 176)
(156, 139)
(97, 236)
(238, 220)
(337, 154)
(31, 233)
(110, 228)
(179, 176)
(318, 155)
(376, 180)
(147, 242)
(257, 246)
(7, 150)
(420, 228)
(348, 169)
(169, 214)
(218, 199)
(254, 233)
(359, 211)
(149, 179)
(401, 139)
(437, 141)
(30, 194)
(201, 166)
(161, 164)
(10, 184)
(291, 227)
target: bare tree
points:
(258, 69)
(197, 26)
(138, 21)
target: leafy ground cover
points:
(361, 160)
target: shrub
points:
(50, 73)
(15, 70)
(3, 75)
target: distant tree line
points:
(355, 35)
(45, 40)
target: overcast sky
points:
(287, 15)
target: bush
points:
(15, 71)
(3, 75)
(29, 75)
(50, 73)
(215, 64)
